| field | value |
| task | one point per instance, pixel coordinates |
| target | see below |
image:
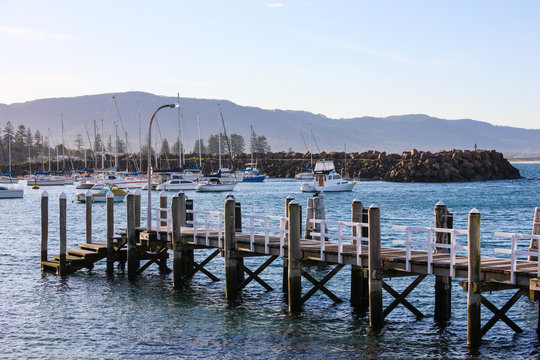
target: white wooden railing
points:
(430, 244)
(514, 252)
(203, 218)
(325, 234)
(252, 229)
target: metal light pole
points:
(149, 167)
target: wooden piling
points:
(63, 235)
(443, 284)
(88, 202)
(310, 214)
(376, 316)
(294, 270)
(285, 282)
(233, 263)
(137, 208)
(110, 232)
(132, 258)
(535, 231)
(44, 225)
(474, 328)
(182, 254)
(238, 217)
(359, 283)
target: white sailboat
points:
(9, 190)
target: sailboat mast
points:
(63, 153)
(310, 146)
(219, 149)
(252, 141)
(140, 140)
(180, 130)
(115, 146)
(9, 153)
(199, 136)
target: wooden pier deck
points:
(337, 244)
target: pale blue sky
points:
(450, 59)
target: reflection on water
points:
(90, 315)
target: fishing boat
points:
(250, 174)
(176, 183)
(101, 196)
(45, 180)
(327, 179)
(214, 184)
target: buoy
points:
(35, 186)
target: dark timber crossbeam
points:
(319, 285)
(400, 298)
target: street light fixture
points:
(149, 167)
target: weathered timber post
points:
(285, 283)
(310, 214)
(88, 199)
(182, 255)
(474, 329)
(359, 283)
(238, 217)
(137, 208)
(63, 235)
(376, 317)
(132, 258)
(294, 270)
(44, 225)
(318, 210)
(233, 263)
(162, 213)
(443, 284)
(535, 231)
(110, 232)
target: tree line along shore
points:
(410, 166)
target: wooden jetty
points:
(441, 251)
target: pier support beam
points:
(443, 284)
(359, 283)
(110, 232)
(131, 235)
(182, 254)
(376, 317)
(63, 236)
(474, 298)
(44, 225)
(233, 262)
(295, 269)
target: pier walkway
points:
(441, 251)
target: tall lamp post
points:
(149, 167)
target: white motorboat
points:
(101, 196)
(177, 183)
(215, 184)
(41, 180)
(122, 183)
(327, 179)
(10, 192)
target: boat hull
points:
(11, 194)
(253, 179)
(214, 187)
(99, 198)
(327, 188)
(179, 187)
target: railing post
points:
(233, 262)
(162, 213)
(310, 214)
(474, 329)
(359, 283)
(182, 254)
(443, 284)
(132, 258)
(88, 198)
(44, 225)
(376, 317)
(295, 270)
(110, 232)
(285, 282)
(63, 235)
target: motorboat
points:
(250, 174)
(215, 184)
(327, 179)
(176, 183)
(304, 176)
(123, 183)
(41, 180)
(10, 192)
(101, 196)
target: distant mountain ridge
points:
(284, 129)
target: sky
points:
(449, 59)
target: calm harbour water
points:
(90, 315)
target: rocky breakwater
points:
(443, 166)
